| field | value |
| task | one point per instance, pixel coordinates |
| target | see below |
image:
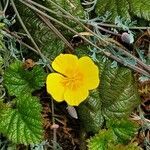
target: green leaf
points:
(49, 43)
(115, 98)
(101, 140)
(123, 129)
(90, 116)
(20, 81)
(118, 92)
(2, 25)
(74, 7)
(140, 8)
(119, 132)
(2, 105)
(22, 122)
(131, 146)
(124, 8)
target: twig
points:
(55, 20)
(52, 27)
(103, 52)
(24, 27)
(54, 130)
(6, 6)
(18, 39)
(137, 117)
(47, 9)
(105, 41)
(135, 68)
(148, 55)
(108, 31)
(64, 11)
(135, 58)
(29, 35)
(125, 52)
(115, 26)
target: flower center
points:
(73, 81)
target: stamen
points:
(74, 81)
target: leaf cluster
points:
(49, 43)
(21, 119)
(115, 98)
(124, 8)
(115, 137)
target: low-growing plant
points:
(98, 73)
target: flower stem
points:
(54, 130)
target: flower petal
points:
(90, 72)
(65, 63)
(54, 86)
(75, 97)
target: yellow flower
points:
(74, 79)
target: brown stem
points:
(105, 41)
(52, 27)
(18, 39)
(54, 130)
(28, 33)
(103, 52)
(115, 26)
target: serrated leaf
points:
(115, 98)
(118, 92)
(74, 7)
(123, 129)
(19, 81)
(124, 8)
(140, 8)
(131, 146)
(100, 140)
(49, 43)
(90, 115)
(22, 123)
(2, 105)
(119, 132)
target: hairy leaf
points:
(90, 113)
(20, 81)
(131, 146)
(100, 140)
(140, 8)
(49, 43)
(123, 129)
(2, 25)
(124, 8)
(115, 98)
(22, 123)
(120, 132)
(74, 7)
